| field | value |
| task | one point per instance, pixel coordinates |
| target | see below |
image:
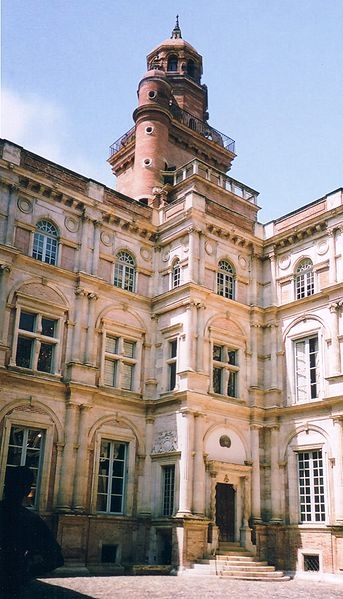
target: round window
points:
(149, 130)
(152, 94)
(147, 162)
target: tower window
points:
(191, 68)
(172, 63)
(152, 94)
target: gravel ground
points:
(179, 587)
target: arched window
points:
(226, 280)
(45, 242)
(176, 274)
(191, 68)
(304, 279)
(172, 63)
(125, 271)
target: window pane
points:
(217, 353)
(172, 376)
(45, 358)
(173, 348)
(126, 376)
(217, 380)
(48, 327)
(27, 321)
(232, 384)
(129, 347)
(111, 345)
(110, 373)
(24, 352)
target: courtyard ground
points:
(179, 587)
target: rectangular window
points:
(311, 486)
(120, 362)
(225, 370)
(168, 490)
(172, 364)
(25, 448)
(37, 342)
(306, 368)
(112, 477)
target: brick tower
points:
(171, 125)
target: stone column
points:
(255, 475)
(199, 346)
(274, 355)
(145, 501)
(186, 422)
(199, 467)
(189, 349)
(274, 474)
(90, 334)
(81, 468)
(68, 459)
(338, 471)
(193, 256)
(11, 214)
(96, 246)
(254, 330)
(4, 274)
(332, 257)
(273, 290)
(335, 361)
(78, 320)
(84, 248)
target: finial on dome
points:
(176, 33)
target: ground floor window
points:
(112, 477)
(25, 448)
(168, 490)
(311, 486)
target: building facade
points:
(171, 369)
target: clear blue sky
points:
(274, 71)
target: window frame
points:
(31, 421)
(304, 280)
(111, 433)
(120, 361)
(131, 334)
(310, 382)
(168, 498)
(225, 368)
(226, 279)
(42, 238)
(311, 498)
(175, 274)
(40, 312)
(125, 271)
(172, 363)
(108, 494)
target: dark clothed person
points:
(27, 546)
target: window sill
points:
(34, 373)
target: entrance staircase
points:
(235, 562)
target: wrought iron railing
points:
(190, 121)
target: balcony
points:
(196, 167)
(190, 121)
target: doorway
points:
(225, 511)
